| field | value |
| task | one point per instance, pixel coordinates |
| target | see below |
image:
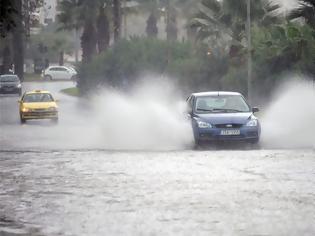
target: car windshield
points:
(9, 78)
(38, 97)
(222, 103)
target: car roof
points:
(57, 66)
(37, 91)
(215, 93)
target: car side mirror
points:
(255, 109)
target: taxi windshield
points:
(38, 97)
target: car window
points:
(58, 69)
(228, 103)
(37, 97)
(9, 78)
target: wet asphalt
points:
(52, 183)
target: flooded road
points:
(53, 183)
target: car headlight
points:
(203, 125)
(252, 123)
(24, 109)
(19, 86)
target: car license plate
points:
(230, 132)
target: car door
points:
(64, 73)
(54, 73)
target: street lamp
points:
(249, 54)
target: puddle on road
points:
(9, 227)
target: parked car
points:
(59, 73)
(10, 84)
(38, 104)
(222, 116)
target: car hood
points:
(39, 105)
(226, 118)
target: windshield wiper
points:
(219, 109)
(235, 110)
(228, 110)
(200, 109)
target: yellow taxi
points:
(38, 104)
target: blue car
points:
(222, 116)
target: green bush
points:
(127, 60)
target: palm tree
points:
(219, 19)
(305, 10)
(171, 22)
(92, 17)
(103, 29)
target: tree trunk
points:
(61, 58)
(18, 42)
(117, 19)
(171, 23)
(88, 42)
(103, 30)
(6, 56)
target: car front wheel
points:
(48, 77)
(22, 120)
(55, 120)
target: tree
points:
(171, 22)
(227, 18)
(78, 14)
(103, 29)
(151, 28)
(7, 17)
(88, 41)
(15, 24)
(18, 40)
(6, 56)
(153, 8)
(50, 44)
(305, 10)
(282, 48)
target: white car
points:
(59, 72)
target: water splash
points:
(289, 122)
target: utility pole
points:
(249, 54)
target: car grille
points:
(224, 126)
(47, 113)
(39, 110)
(8, 87)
